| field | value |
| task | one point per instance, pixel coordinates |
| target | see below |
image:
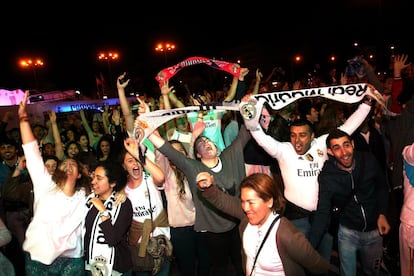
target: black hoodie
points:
(361, 195)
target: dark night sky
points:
(261, 35)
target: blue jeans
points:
(326, 244)
(367, 244)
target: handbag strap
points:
(263, 241)
(149, 200)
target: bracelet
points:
(104, 214)
(369, 100)
(24, 118)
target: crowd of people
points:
(276, 195)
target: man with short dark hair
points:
(354, 182)
(9, 155)
(300, 160)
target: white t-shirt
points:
(140, 199)
(268, 261)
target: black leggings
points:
(225, 252)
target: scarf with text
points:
(146, 123)
(167, 73)
(101, 255)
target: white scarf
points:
(101, 255)
(146, 123)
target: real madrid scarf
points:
(169, 72)
(101, 255)
(146, 123)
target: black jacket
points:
(361, 195)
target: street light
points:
(294, 66)
(165, 48)
(109, 56)
(28, 63)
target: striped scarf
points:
(101, 255)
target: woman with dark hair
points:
(284, 249)
(53, 242)
(70, 135)
(144, 181)
(104, 150)
(107, 224)
(86, 149)
(72, 150)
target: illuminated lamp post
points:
(165, 48)
(28, 63)
(294, 66)
(108, 57)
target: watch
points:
(104, 214)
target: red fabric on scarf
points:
(169, 72)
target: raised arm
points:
(86, 126)
(165, 91)
(155, 171)
(132, 146)
(123, 102)
(25, 128)
(356, 118)
(256, 86)
(105, 120)
(227, 203)
(49, 136)
(60, 151)
(169, 96)
(399, 64)
(233, 88)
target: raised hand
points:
(22, 112)
(132, 146)
(143, 106)
(400, 64)
(165, 89)
(52, 116)
(122, 82)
